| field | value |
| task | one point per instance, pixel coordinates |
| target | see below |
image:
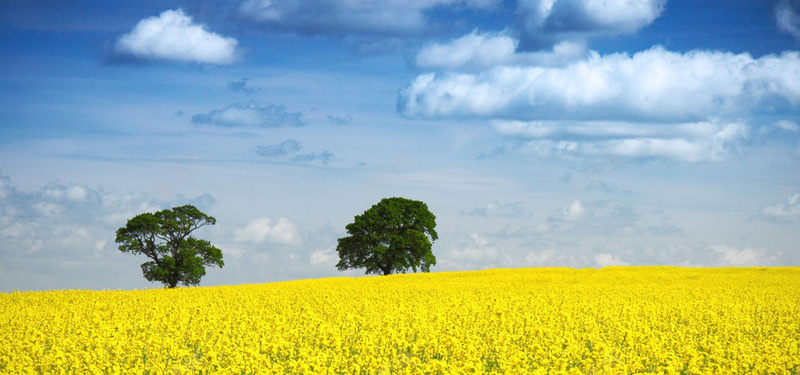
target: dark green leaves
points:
(394, 235)
(165, 238)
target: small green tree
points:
(392, 236)
(165, 238)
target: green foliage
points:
(165, 238)
(392, 236)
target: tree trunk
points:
(387, 271)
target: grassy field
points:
(620, 320)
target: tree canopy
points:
(392, 236)
(165, 237)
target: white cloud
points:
(250, 115)
(788, 211)
(263, 230)
(655, 103)
(323, 256)
(323, 157)
(497, 209)
(48, 209)
(788, 18)
(100, 245)
(788, 125)
(571, 18)
(652, 85)
(539, 257)
(241, 86)
(232, 252)
(474, 251)
(173, 36)
(606, 260)
(354, 17)
(711, 148)
(277, 150)
(476, 51)
(693, 142)
(77, 193)
(572, 213)
(60, 192)
(293, 147)
(746, 257)
(609, 218)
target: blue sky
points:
(575, 133)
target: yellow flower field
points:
(621, 320)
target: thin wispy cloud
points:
(241, 86)
(496, 209)
(250, 115)
(691, 142)
(275, 150)
(340, 120)
(290, 149)
(323, 157)
(787, 13)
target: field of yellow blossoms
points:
(624, 320)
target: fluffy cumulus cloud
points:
(355, 17)
(477, 51)
(655, 103)
(543, 19)
(173, 36)
(787, 15)
(250, 115)
(652, 85)
(283, 231)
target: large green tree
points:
(165, 237)
(392, 236)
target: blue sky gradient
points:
(576, 133)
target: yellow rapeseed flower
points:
(619, 320)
